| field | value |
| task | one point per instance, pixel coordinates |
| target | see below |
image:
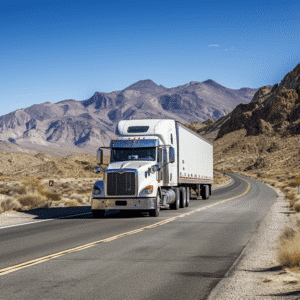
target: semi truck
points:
(154, 163)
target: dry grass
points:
(25, 192)
(10, 204)
(36, 193)
(288, 253)
(31, 201)
(220, 179)
(296, 206)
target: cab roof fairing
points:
(157, 127)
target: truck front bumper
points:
(124, 203)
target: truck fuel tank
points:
(168, 196)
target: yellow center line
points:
(79, 248)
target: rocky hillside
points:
(271, 112)
(78, 124)
(262, 138)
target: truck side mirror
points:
(100, 156)
(172, 155)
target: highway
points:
(181, 254)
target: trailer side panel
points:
(195, 163)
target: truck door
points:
(172, 169)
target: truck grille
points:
(121, 184)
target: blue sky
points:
(57, 50)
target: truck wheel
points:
(188, 196)
(205, 192)
(98, 213)
(182, 197)
(155, 212)
(176, 204)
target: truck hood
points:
(130, 165)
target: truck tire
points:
(98, 213)
(205, 192)
(176, 204)
(182, 191)
(155, 212)
(188, 196)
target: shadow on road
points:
(80, 212)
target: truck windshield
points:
(124, 154)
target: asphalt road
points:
(178, 258)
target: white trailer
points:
(153, 163)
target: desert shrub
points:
(1, 210)
(65, 185)
(288, 253)
(71, 203)
(296, 206)
(31, 201)
(10, 204)
(290, 195)
(287, 234)
(67, 190)
(4, 190)
(292, 184)
(53, 197)
(292, 202)
(30, 188)
(297, 221)
(287, 189)
(83, 190)
(42, 189)
(76, 197)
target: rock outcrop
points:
(271, 111)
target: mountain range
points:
(90, 123)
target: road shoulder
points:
(256, 274)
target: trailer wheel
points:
(188, 196)
(182, 197)
(205, 192)
(176, 204)
(155, 212)
(98, 213)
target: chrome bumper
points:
(124, 203)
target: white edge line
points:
(15, 225)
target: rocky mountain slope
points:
(262, 137)
(272, 111)
(78, 124)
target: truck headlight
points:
(147, 190)
(99, 189)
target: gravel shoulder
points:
(256, 274)
(10, 218)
